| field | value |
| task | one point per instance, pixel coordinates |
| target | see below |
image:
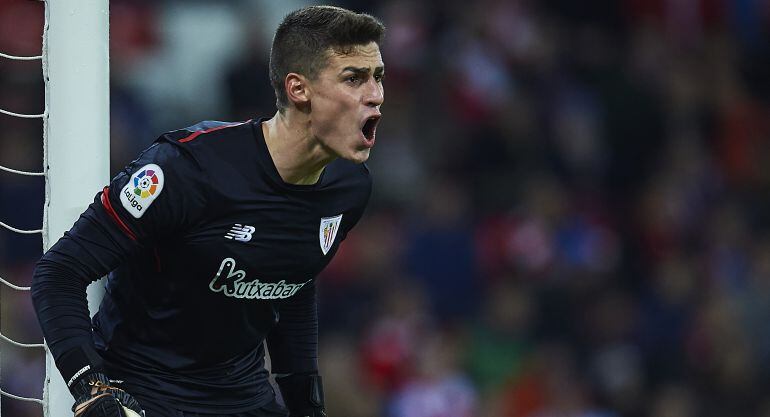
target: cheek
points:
(335, 113)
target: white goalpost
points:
(75, 66)
(76, 136)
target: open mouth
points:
(370, 127)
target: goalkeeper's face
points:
(345, 100)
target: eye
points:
(379, 77)
(353, 79)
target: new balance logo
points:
(240, 232)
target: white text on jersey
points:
(229, 281)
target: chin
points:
(359, 156)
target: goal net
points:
(75, 121)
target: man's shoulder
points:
(188, 151)
(214, 144)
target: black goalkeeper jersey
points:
(211, 254)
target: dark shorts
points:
(272, 409)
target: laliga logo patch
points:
(328, 231)
(142, 189)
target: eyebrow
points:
(363, 70)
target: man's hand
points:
(303, 394)
(95, 397)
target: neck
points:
(298, 156)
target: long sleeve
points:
(131, 213)
(93, 247)
(293, 342)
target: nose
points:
(375, 93)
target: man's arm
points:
(293, 346)
(157, 195)
(88, 251)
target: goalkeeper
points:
(212, 239)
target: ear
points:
(297, 89)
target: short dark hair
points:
(304, 36)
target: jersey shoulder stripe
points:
(207, 127)
(108, 207)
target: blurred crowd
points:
(568, 217)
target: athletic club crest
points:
(328, 231)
